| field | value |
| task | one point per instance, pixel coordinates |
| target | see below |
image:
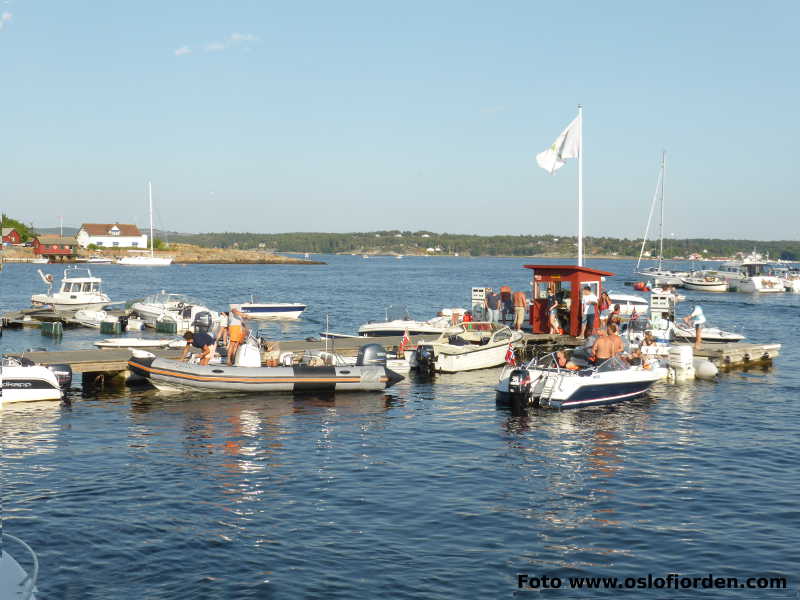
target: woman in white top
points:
(697, 319)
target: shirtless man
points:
(607, 345)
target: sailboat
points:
(658, 273)
(145, 260)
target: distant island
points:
(450, 244)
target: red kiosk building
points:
(565, 284)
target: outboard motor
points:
(371, 355)
(123, 323)
(202, 322)
(519, 386)
(63, 374)
(426, 358)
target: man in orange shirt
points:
(520, 302)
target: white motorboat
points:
(629, 303)
(465, 347)
(174, 307)
(398, 322)
(21, 380)
(657, 273)
(77, 291)
(91, 318)
(544, 383)
(96, 260)
(681, 331)
(751, 274)
(705, 281)
(270, 310)
(150, 259)
(789, 277)
(15, 582)
(138, 343)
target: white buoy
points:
(704, 368)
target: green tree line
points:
(418, 242)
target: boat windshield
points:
(164, 299)
(397, 313)
(615, 363)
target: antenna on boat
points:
(327, 331)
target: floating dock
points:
(739, 355)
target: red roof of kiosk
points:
(567, 270)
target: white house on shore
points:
(111, 235)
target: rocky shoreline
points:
(182, 254)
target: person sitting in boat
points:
(697, 319)
(564, 362)
(203, 341)
(467, 317)
(236, 333)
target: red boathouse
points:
(562, 283)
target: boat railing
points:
(27, 587)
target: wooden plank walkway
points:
(739, 354)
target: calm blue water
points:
(428, 491)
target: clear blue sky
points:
(351, 116)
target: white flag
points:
(567, 145)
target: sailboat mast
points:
(580, 185)
(150, 199)
(661, 224)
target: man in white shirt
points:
(588, 305)
(697, 320)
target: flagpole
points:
(580, 187)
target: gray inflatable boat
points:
(369, 374)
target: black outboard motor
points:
(123, 323)
(202, 322)
(371, 355)
(519, 387)
(63, 374)
(426, 359)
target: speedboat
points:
(95, 260)
(78, 290)
(681, 331)
(137, 343)
(398, 322)
(542, 382)
(23, 380)
(465, 347)
(629, 303)
(177, 308)
(15, 582)
(789, 277)
(368, 374)
(270, 310)
(91, 318)
(705, 281)
(752, 274)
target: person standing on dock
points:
(589, 302)
(492, 305)
(697, 319)
(520, 303)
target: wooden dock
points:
(739, 355)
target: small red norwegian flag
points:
(405, 342)
(510, 358)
